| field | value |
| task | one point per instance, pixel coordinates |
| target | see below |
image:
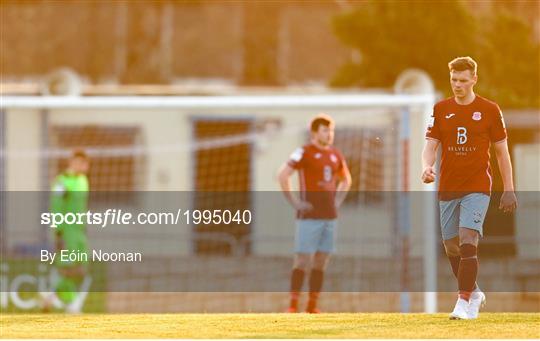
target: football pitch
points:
(342, 325)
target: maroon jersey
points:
(465, 133)
(318, 171)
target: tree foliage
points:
(393, 36)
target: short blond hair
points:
(462, 64)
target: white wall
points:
(526, 161)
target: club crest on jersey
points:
(333, 158)
(477, 116)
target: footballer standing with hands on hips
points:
(324, 182)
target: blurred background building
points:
(241, 43)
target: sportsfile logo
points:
(461, 135)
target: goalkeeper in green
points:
(69, 194)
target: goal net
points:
(188, 157)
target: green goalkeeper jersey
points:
(70, 195)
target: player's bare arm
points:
(344, 184)
(508, 201)
(284, 178)
(429, 155)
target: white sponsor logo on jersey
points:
(318, 155)
(297, 154)
(477, 116)
(431, 122)
(461, 135)
(450, 115)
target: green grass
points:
(361, 325)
